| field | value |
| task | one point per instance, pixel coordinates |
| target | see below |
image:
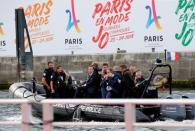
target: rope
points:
(75, 108)
(31, 95)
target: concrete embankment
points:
(77, 64)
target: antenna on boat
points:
(25, 59)
(34, 90)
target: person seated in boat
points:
(139, 84)
(58, 83)
(112, 84)
(46, 78)
(127, 82)
(89, 87)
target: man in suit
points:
(90, 86)
(132, 70)
(127, 82)
(139, 84)
(92, 83)
(97, 72)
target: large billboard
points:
(60, 27)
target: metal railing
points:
(26, 113)
(129, 115)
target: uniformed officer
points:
(46, 78)
(58, 85)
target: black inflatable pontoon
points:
(160, 77)
(23, 90)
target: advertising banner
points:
(61, 27)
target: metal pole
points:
(18, 70)
(129, 116)
(47, 117)
(17, 45)
(26, 114)
(165, 55)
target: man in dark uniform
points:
(46, 79)
(58, 83)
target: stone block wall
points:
(184, 69)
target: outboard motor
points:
(190, 109)
(176, 112)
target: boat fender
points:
(190, 109)
(176, 112)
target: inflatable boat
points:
(23, 90)
(160, 77)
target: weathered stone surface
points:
(77, 64)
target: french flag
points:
(173, 56)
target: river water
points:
(13, 113)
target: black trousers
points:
(60, 92)
(80, 92)
(128, 93)
(48, 93)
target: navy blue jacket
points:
(127, 84)
(92, 83)
(47, 75)
(113, 83)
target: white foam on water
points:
(13, 118)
